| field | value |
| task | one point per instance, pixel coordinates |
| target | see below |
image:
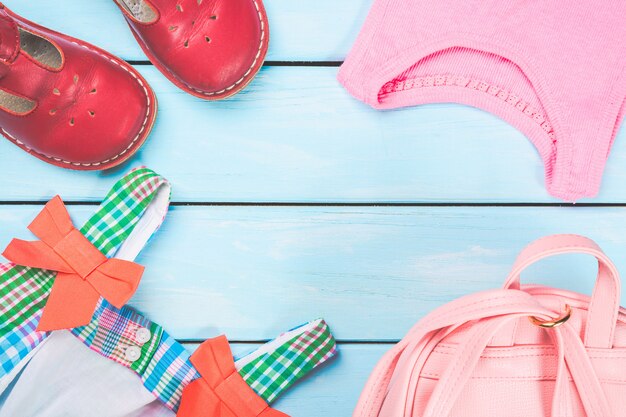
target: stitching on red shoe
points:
(132, 143)
(16, 48)
(243, 77)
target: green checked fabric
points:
(279, 364)
(24, 291)
(122, 208)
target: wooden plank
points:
(296, 136)
(371, 272)
(300, 31)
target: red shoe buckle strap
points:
(9, 37)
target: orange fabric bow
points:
(221, 391)
(83, 272)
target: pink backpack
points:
(520, 351)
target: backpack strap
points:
(123, 223)
(604, 307)
(392, 387)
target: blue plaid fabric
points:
(21, 341)
(169, 371)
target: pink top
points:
(553, 69)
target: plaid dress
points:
(127, 337)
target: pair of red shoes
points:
(74, 105)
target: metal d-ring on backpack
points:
(524, 350)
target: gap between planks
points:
(332, 64)
(328, 204)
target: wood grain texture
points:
(299, 31)
(252, 272)
(296, 136)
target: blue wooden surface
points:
(252, 270)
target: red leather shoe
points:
(66, 101)
(209, 48)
